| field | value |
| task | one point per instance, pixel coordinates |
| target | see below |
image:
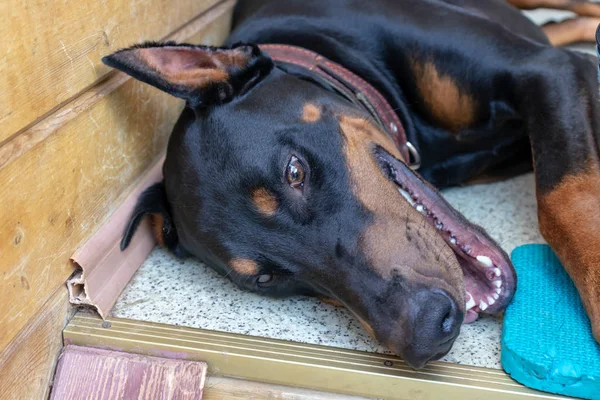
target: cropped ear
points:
(202, 75)
(153, 202)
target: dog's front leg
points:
(559, 98)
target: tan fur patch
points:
(333, 302)
(265, 201)
(157, 221)
(399, 238)
(367, 327)
(569, 218)
(311, 113)
(448, 104)
(244, 266)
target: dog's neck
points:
(344, 82)
(358, 50)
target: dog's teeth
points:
(497, 271)
(420, 208)
(497, 283)
(439, 226)
(407, 196)
(496, 296)
(498, 290)
(486, 261)
(483, 305)
(491, 300)
(471, 303)
(453, 240)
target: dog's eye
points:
(265, 279)
(294, 173)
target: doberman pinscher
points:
(291, 169)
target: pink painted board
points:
(87, 373)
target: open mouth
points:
(489, 276)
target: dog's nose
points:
(435, 325)
(437, 316)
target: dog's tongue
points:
(489, 276)
(471, 316)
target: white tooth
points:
(483, 305)
(420, 208)
(496, 296)
(405, 194)
(439, 225)
(497, 283)
(485, 261)
(453, 240)
(471, 303)
(491, 300)
(498, 290)
(497, 271)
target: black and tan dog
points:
(288, 171)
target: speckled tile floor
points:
(188, 293)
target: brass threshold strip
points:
(296, 364)
(25, 139)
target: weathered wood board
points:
(51, 49)
(218, 388)
(55, 195)
(27, 364)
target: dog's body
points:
(478, 88)
(468, 124)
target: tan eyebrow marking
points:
(311, 113)
(265, 201)
(244, 266)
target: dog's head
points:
(287, 188)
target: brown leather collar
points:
(351, 86)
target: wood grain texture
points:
(56, 195)
(218, 388)
(86, 373)
(51, 50)
(20, 143)
(27, 363)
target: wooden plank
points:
(57, 194)
(86, 373)
(51, 50)
(218, 388)
(22, 142)
(27, 363)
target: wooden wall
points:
(74, 136)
